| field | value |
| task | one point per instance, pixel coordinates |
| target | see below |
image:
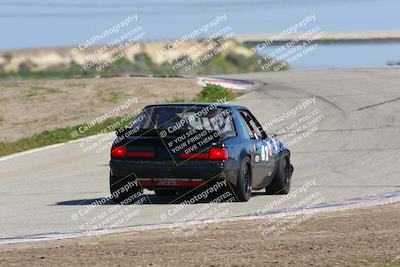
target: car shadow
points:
(259, 193)
(148, 199)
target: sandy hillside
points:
(32, 106)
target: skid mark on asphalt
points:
(378, 104)
(301, 91)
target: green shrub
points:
(59, 135)
(213, 93)
(210, 93)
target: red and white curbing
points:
(231, 84)
(368, 201)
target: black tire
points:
(124, 190)
(243, 184)
(165, 192)
(280, 184)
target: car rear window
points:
(186, 118)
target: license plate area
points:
(170, 182)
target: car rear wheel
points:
(124, 190)
(243, 184)
(280, 184)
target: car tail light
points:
(118, 152)
(213, 154)
(218, 153)
(121, 152)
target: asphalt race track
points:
(352, 151)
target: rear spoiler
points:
(126, 132)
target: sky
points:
(58, 23)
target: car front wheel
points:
(280, 184)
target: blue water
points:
(55, 23)
(347, 56)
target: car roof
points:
(218, 105)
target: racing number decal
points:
(268, 147)
(264, 153)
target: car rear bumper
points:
(183, 174)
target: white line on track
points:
(387, 198)
(46, 147)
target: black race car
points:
(175, 148)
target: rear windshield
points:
(178, 119)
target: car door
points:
(262, 158)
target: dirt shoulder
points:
(33, 106)
(361, 237)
